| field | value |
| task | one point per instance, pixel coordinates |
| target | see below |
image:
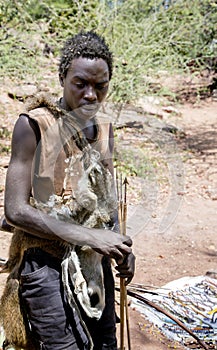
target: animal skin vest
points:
(52, 155)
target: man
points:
(38, 170)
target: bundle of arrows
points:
(121, 188)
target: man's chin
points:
(86, 113)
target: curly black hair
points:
(86, 45)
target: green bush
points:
(143, 36)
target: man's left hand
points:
(126, 268)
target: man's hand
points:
(110, 244)
(118, 247)
(126, 267)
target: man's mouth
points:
(90, 107)
(90, 110)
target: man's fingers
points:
(125, 249)
(126, 268)
(128, 241)
(128, 280)
(117, 254)
(122, 268)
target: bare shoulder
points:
(24, 126)
(25, 136)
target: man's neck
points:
(90, 130)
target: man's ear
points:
(61, 80)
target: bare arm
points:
(22, 215)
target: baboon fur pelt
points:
(13, 317)
(93, 207)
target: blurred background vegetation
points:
(147, 37)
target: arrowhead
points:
(125, 181)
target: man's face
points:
(85, 87)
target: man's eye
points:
(80, 85)
(101, 86)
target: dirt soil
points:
(171, 217)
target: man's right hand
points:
(111, 244)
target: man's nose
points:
(90, 94)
